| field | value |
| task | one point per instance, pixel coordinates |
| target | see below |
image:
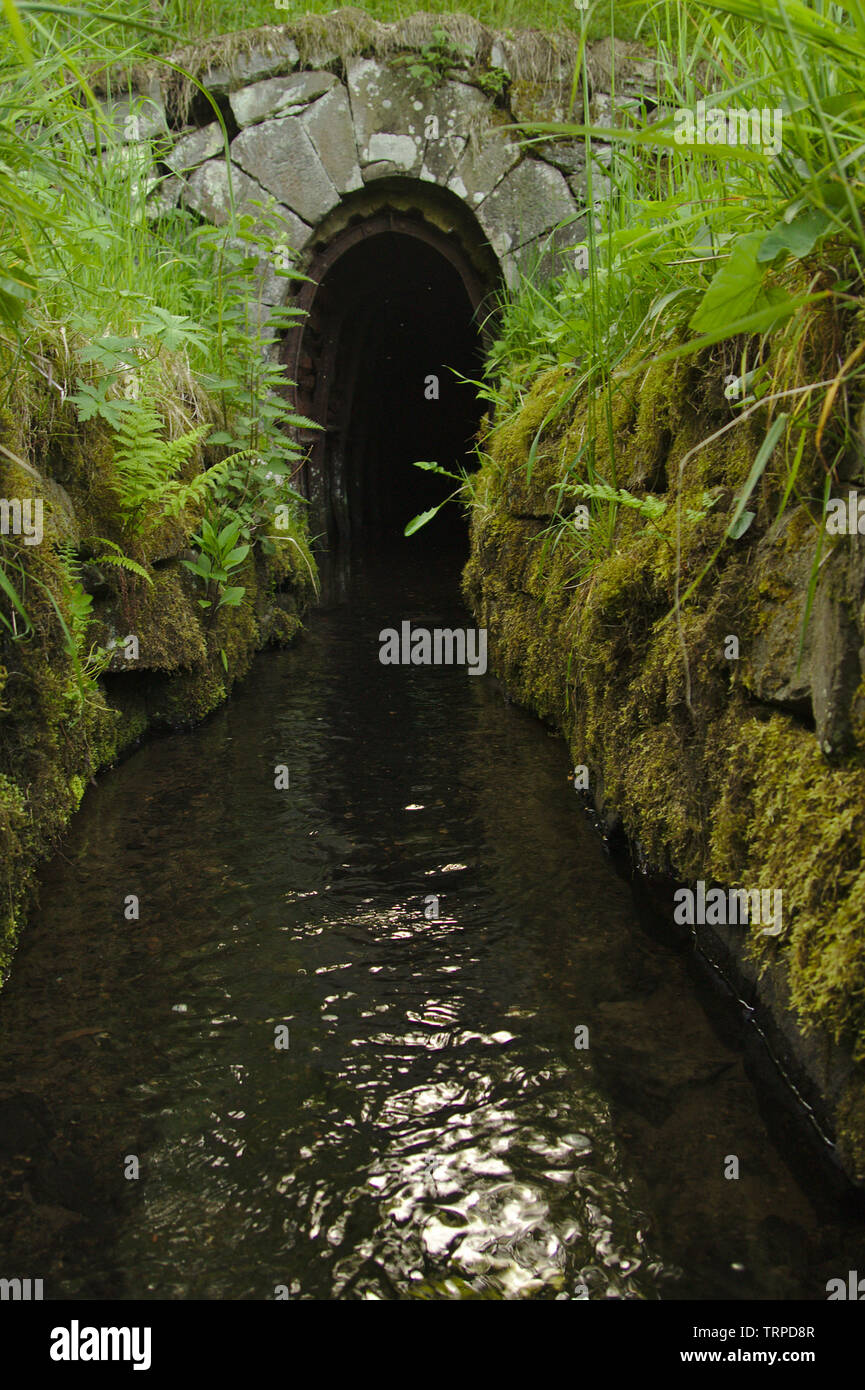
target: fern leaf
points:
(125, 562)
(195, 493)
(146, 464)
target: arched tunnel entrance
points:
(393, 322)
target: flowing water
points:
(430, 1130)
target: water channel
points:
(423, 918)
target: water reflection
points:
(430, 1130)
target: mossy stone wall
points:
(57, 732)
(743, 772)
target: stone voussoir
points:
(207, 192)
(261, 61)
(529, 201)
(194, 148)
(329, 126)
(281, 157)
(308, 140)
(279, 96)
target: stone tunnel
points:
(399, 289)
(408, 201)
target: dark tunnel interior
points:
(396, 330)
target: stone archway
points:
(400, 259)
(355, 149)
(309, 140)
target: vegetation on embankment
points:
(207, 18)
(669, 421)
(151, 537)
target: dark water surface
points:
(431, 1130)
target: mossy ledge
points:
(745, 772)
(63, 716)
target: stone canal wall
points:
(725, 760)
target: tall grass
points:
(121, 313)
(692, 246)
(208, 17)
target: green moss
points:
(708, 787)
(285, 627)
(165, 618)
(56, 730)
(788, 819)
(851, 1125)
(664, 409)
(188, 696)
(524, 490)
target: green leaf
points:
(737, 529)
(436, 468)
(757, 468)
(200, 567)
(735, 289)
(795, 238)
(19, 34)
(843, 103)
(231, 597)
(421, 520)
(12, 596)
(85, 402)
(776, 309)
(299, 422)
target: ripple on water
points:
(430, 1131)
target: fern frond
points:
(145, 463)
(649, 507)
(120, 559)
(69, 561)
(194, 494)
(179, 451)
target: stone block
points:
(329, 126)
(531, 200)
(281, 157)
(262, 60)
(207, 192)
(278, 96)
(194, 148)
